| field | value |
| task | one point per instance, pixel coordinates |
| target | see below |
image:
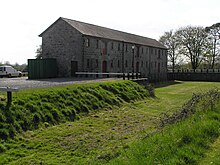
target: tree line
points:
(22, 67)
(195, 45)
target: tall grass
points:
(31, 109)
(184, 142)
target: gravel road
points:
(24, 82)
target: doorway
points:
(104, 66)
(137, 67)
(74, 68)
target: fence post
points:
(9, 97)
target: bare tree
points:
(169, 40)
(192, 40)
(214, 42)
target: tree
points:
(192, 40)
(7, 63)
(169, 40)
(39, 52)
(214, 42)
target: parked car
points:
(8, 71)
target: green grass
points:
(35, 108)
(107, 134)
(184, 142)
(213, 155)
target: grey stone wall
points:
(152, 61)
(65, 44)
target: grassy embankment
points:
(32, 108)
(115, 133)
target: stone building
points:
(84, 47)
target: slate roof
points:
(107, 33)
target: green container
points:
(42, 68)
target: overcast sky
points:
(23, 20)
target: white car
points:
(8, 71)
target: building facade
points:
(83, 47)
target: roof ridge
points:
(89, 29)
(107, 28)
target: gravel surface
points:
(24, 82)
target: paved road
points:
(24, 83)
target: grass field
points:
(105, 134)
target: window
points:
(126, 63)
(97, 62)
(151, 50)
(118, 63)
(146, 50)
(112, 45)
(142, 63)
(111, 63)
(87, 42)
(119, 46)
(155, 64)
(158, 53)
(126, 47)
(158, 68)
(146, 64)
(104, 51)
(142, 50)
(87, 63)
(97, 44)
